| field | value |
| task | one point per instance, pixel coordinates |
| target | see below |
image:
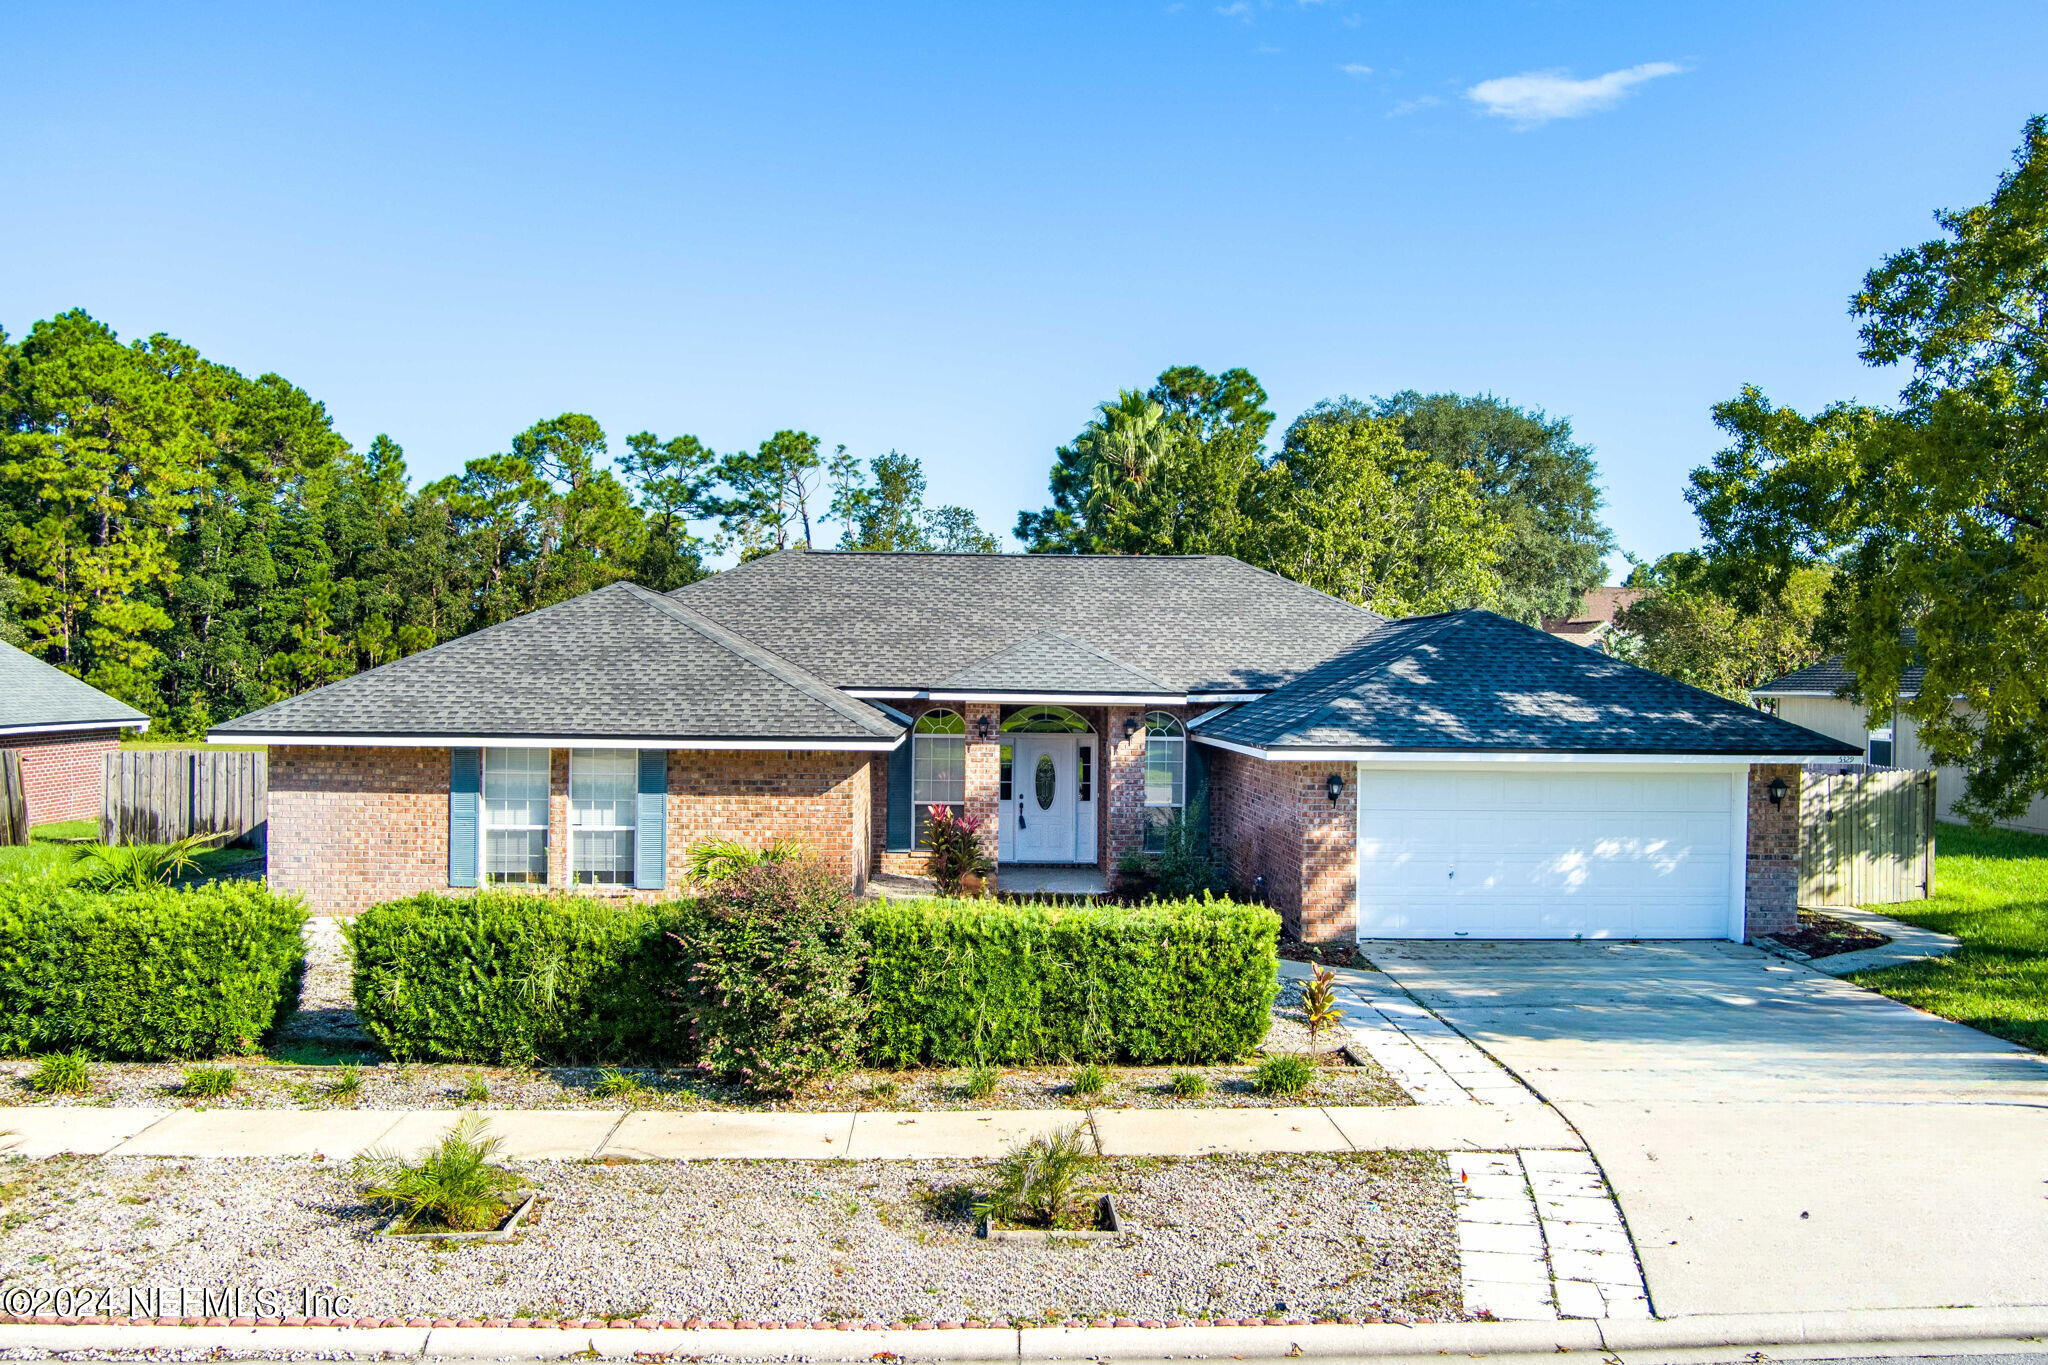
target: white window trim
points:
(917, 807)
(1505, 756)
(631, 827)
(485, 825)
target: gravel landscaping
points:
(1371, 1235)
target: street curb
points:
(1279, 1340)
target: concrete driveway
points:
(1778, 1140)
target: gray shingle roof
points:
(617, 663)
(1474, 681)
(869, 619)
(1833, 677)
(33, 693)
(1050, 662)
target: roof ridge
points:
(810, 684)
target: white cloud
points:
(1358, 69)
(1538, 96)
(1237, 9)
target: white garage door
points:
(1548, 853)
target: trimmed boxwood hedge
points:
(977, 981)
(519, 977)
(145, 975)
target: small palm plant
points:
(454, 1185)
(347, 1083)
(1034, 1184)
(476, 1091)
(1088, 1081)
(128, 867)
(717, 860)
(62, 1073)
(1188, 1085)
(980, 1081)
(1320, 1011)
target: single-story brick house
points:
(63, 729)
(1454, 775)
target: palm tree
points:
(1123, 445)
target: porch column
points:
(1123, 766)
(984, 769)
(558, 818)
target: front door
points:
(1042, 798)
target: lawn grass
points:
(52, 847)
(44, 851)
(1991, 891)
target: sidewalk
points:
(618, 1134)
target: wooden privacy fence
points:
(1866, 835)
(153, 796)
(13, 799)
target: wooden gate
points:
(156, 795)
(1866, 835)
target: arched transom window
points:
(938, 765)
(1166, 775)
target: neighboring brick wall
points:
(350, 827)
(63, 774)
(1275, 821)
(1772, 905)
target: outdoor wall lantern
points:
(1334, 784)
(1778, 789)
(984, 727)
(1130, 726)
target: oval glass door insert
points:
(1042, 778)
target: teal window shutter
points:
(650, 840)
(1198, 785)
(465, 781)
(902, 818)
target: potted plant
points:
(957, 861)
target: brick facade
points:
(350, 827)
(1282, 837)
(1772, 902)
(63, 772)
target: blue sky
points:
(951, 229)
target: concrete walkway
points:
(598, 1134)
(1779, 1140)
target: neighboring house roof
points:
(1050, 662)
(1831, 677)
(1595, 616)
(1473, 681)
(37, 696)
(620, 663)
(883, 621)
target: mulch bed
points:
(1822, 935)
(1321, 954)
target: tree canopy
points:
(1933, 512)
(1693, 624)
(200, 543)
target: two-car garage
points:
(1550, 850)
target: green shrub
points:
(1188, 1084)
(1283, 1073)
(614, 1084)
(148, 973)
(62, 1073)
(1185, 865)
(453, 1185)
(208, 1082)
(714, 860)
(347, 1083)
(127, 867)
(980, 1082)
(474, 1091)
(1088, 1081)
(1035, 1182)
(958, 982)
(774, 997)
(515, 978)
